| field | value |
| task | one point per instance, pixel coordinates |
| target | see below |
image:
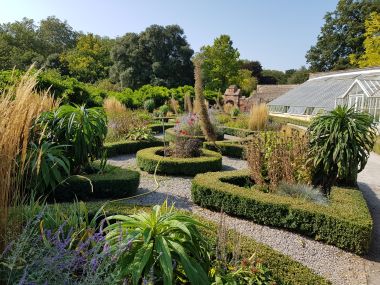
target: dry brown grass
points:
(188, 103)
(258, 117)
(227, 108)
(200, 105)
(19, 107)
(113, 106)
(174, 106)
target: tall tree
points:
(371, 56)
(254, 66)
(298, 76)
(341, 35)
(90, 60)
(269, 76)
(158, 56)
(220, 63)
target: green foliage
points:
(345, 222)
(82, 130)
(376, 147)
(302, 191)
(143, 133)
(157, 127)
(286, 120)
(49, 165)
(110, 183)
(298, 76)
(163, 110)
(220, 63)
(340, 143)
(253, 66)
(152, 159)
(128, 147)
(342, 34)
(240, 122)
(158, 238)
(149, 105)
(171, 134)
(227, 148)
(237, 132)
(235, 112)
(272, 77)
(245, 81)
(157, 56)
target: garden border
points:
(170, 136)
(345, 223)
(128, 147)
(148, 159)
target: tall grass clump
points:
(20, 105)
(258, 118)
(207, 127)
(188, 103)
(112, 106)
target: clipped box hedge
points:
(115, 182)
(127, 147)
(157, 127)
(170, 135)
(345, 222)
(237, 132)
(227, 148)
(286, 120)
(284, 269)
(147, 159)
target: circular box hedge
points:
(147, 160)
(115, 182)
(170, 135)
(345, 222)
(128, 146)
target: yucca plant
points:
(83, 130)
(162, 245)
(340, 143)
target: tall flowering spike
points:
(207, 127)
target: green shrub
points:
(284, 268)
(286, 120)
(302, 191)
(237, 132)
(114, 182)
(163, 110)
(235, 112)
(231, 149)
(149, 105)
(345, 222)
(148, 159)
(128, 147)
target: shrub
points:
(163, 110)
(156, 241)
(188, 125)
(149, 105)
(376, 147)
(128, 147)
(302, 191)
(186, 148)
(340, 143)
(112, 106)
(227, 148)
(112, 182)
(237, 132)
(140, 133)
(82, 130)
(289, 120)
(234, 112)
(240, 122)
(345, 222)
(152, 159)
(227, 108)
(258, 117)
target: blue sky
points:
(276, 32)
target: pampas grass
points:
(200, 106)
(112, 106)
(20, 105)
(258, 117)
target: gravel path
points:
(341, 267)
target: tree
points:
(220, 63)
(157, 56)
(253, 66)
(245, 81)
(341, 35)
(371, 55)
(298, 76)
(269, 76)
(90, 60)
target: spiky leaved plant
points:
(340, 143)
(207, 128)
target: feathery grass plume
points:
(112, 106)
(207, 128)
(188, 103)
(174, 105)
(20, 105)
(258, 118)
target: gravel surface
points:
(341, 267)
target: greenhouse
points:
(324, 91)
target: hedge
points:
(237, 132)
(171, 135)
(147, 159)
(284, 269)
(227, 148)
(128, 147)
(286, 120)
(115, 182)
(157, 127)
(345, 222)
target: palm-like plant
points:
(163, 244)
(340, 143)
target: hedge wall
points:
(157, 127)
(236, 131)
(227, 148)
(286, 120)
(345, 222)
(127, 147)
(284, 269)
(115, 182)
(147, 159)
(170, 136)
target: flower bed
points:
(227, 148)
(345, 222)
(170, 135)
(115, 182)
(148, 159)
(235, 131)
(127, 147)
